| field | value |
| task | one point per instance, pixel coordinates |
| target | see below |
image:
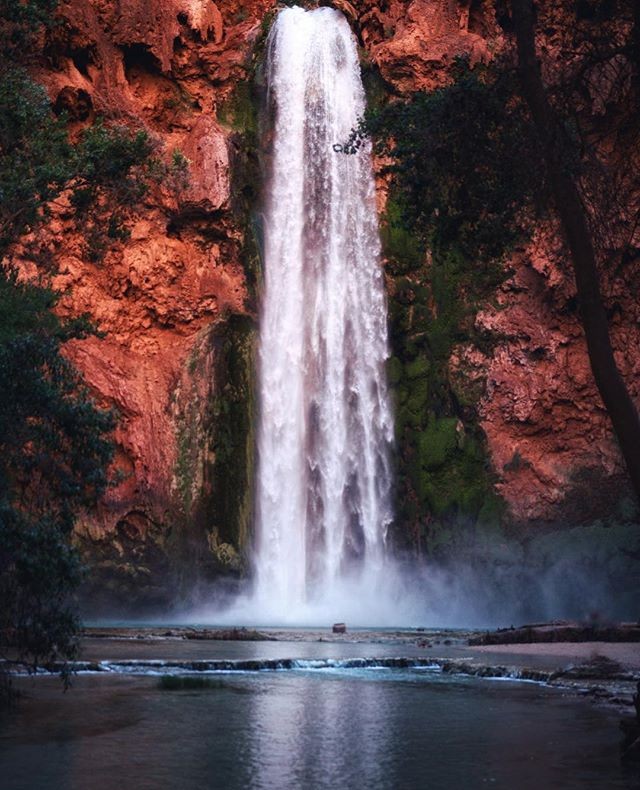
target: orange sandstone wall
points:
(167, 297)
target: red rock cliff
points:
(167, 297)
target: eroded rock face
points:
(415, 43)
(167, 297)
(549, 436)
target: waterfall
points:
(325, 422)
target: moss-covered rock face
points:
(232, 422)
(215, 399)
(445, 483)
(213, 473)
(242, 114)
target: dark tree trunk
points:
(616, 398)
(635, 47)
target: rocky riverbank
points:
(560, 631)
(602, 670)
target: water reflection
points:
(374, 729)
(326, 737)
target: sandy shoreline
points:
(627, 654)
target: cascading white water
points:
(325, 424)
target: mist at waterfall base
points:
(582, 573)
(323, 482)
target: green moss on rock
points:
(240, 111)
(232, 418)
(401, 247)
(445, 483)
(437, 442)
(418, 368)
(213, 472)
(394, 370)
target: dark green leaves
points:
(36, 159)
(54, 452)
(459, 171)
(20, 22)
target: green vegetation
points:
(232, 411)
(241, 114)
(460, 180)
(189, 683)
(93, 184)
(459, 184)
(444, 478)
(53, 455)
(54, 445)
(20, 23)
(213, 473)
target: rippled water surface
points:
(304, 728)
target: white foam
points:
(325, 422)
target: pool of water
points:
(383, 728)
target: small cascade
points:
(325, 424)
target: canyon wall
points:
(177, 300)
(553, 456)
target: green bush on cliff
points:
(104, 174)
(20, 22)
(459, 178)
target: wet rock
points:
(339, 628)
(229, 634)
(213, 634)
(560, 631)
(598, 668)
(630, 746)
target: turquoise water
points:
(303, 728)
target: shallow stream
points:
(330, 727)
